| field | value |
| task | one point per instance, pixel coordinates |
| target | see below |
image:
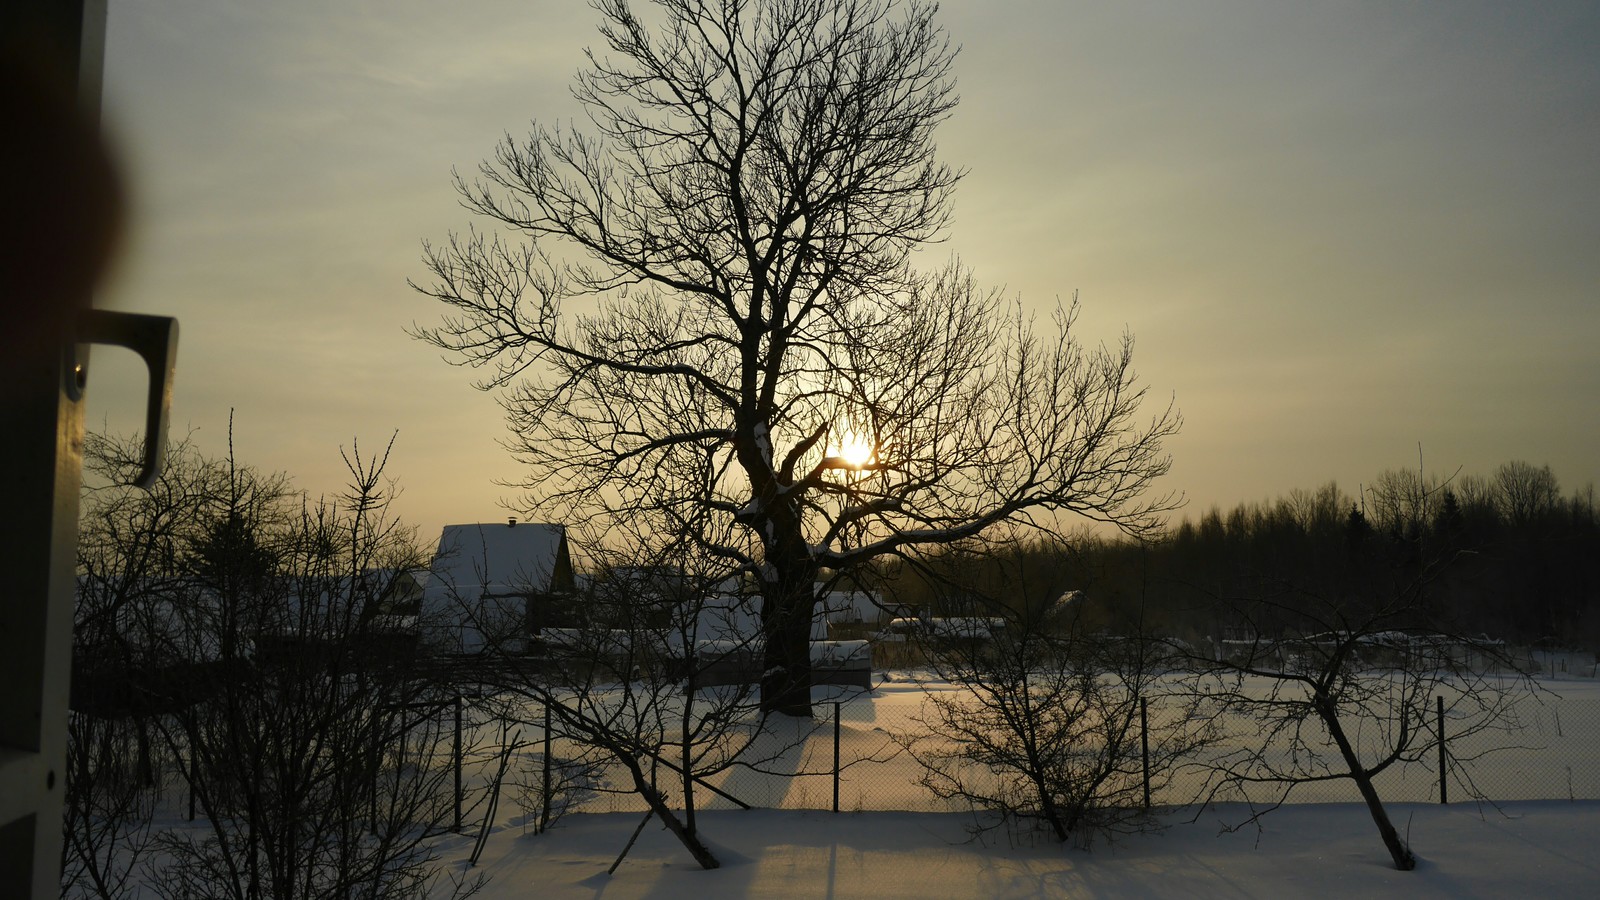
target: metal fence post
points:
(1144, 746)
(835, 756)
(456, 758)
(372, 797)
(544, 798)
(1443, 785)
(194, 775)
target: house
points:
(493, 585)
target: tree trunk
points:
(657, 805)
(1398, 851)
(146, 766)
(1047, 804)
(787, 605)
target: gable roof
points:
(499, 559)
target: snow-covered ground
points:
(1542, 848)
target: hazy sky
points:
(1336, 230)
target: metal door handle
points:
(155, 339)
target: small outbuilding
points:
(495, 585)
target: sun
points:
(855, 451)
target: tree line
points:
(1506, 555)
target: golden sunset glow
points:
(1279, 288)
(855, 451)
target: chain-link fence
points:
(1553, 753)
(854, 756)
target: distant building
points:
(493, 585)
(852, 614)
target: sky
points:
(1339, 232)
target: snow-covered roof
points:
(501, 558)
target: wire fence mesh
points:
(853, 756)
(512, 767)
(1553, 755)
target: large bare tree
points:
(738, 224)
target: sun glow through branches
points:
(856, 452)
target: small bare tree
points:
(1338, 696)
(1336, 673)
(109, 807)
(255, 648)
(130, 542)
(318, 760)
(1051, 726)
